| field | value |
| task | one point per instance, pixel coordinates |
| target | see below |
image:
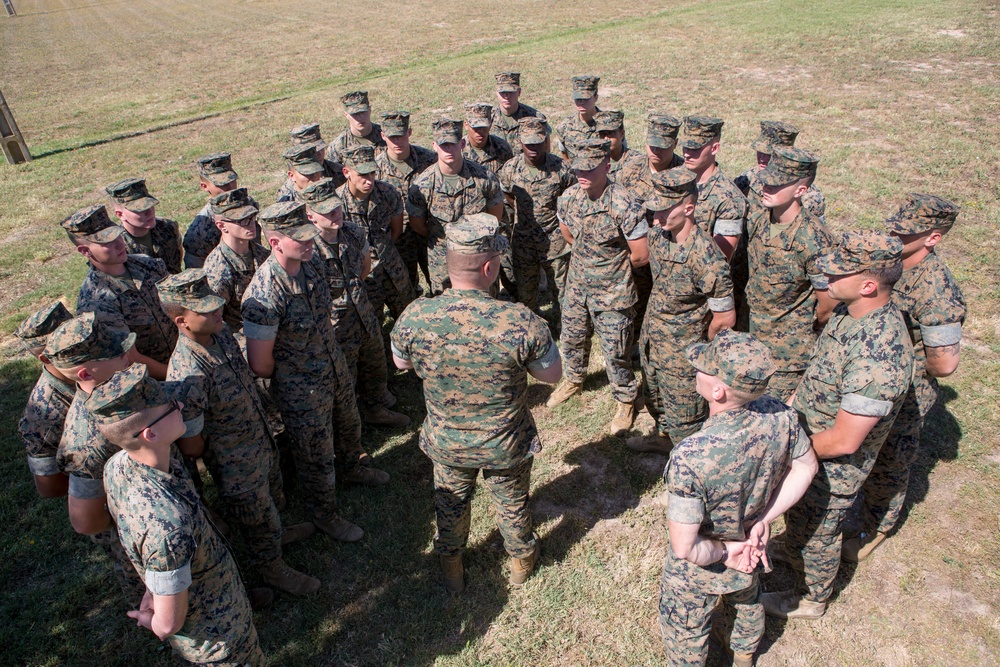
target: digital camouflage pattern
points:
(332, 169)
(749, 184)
(573, 131)
(41, 425)
(229, 274)
(690, 282)
(934, 310)
(131, 194)
(600, 291)
(774, 133)
(863, 366)
(922, 213)
(34, 331)
(442, 200)
(217, 169)
(170, 541)
(200, 238)
(130, 303)
(493, 155)
(536, 241)
(721, 208)
(222, 404)
(388, 284)
(346, 141)
(781, 291)
(472, 353)
(635, 175)
(92, 225)
(722, 479)
(700, 131)
(163, 242)
(505, 126)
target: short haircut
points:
(74, 239)
(120, 432)
(888, 276)
(173, 309)
(738, 396)
(462, 264)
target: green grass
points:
(889, 94)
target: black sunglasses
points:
(174, 405)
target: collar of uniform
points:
(69, 387)
(786, 237)
(600, 205)
(244, 263)
(848, 328)
(464, 177)
(705, 189)
(469, 293)
(678, 252)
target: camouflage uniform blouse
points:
(690, 281)
(229, 275)
(862, 366)
(83, 451)
(164, 242)
(572, 131)
(600, 272)
(202, 236)
(130, 302)
(781, 293)
(472, 352)
(401, 175)
(166, 535)
(494, 155)
(342, 265)
(635, 175)
(721, 208)
(505, 126)
(345, 141)
(723, 477)
(749, 184)
(373, 217)
(222, 404)
(41, 427)
(536, 193)
(331, 169)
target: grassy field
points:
(896, 96)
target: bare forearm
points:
(791, 488)
(942, 361)
(720, 321)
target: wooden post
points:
(9, 6)
(11, 141)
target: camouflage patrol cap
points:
(862, 251)
(774, 133)
(475, 234)
(533, 129)
(700, 131)
(670, 187)
(787, 165)
(356, 102)
(321, 196)
(361, 159)
(92, 225)
(738, 359)
(922, 213)
(124, 394)
(307, 135)
(590, 154)
(288, 218)
(610, 121)
(85, 338)
(189, 289)
(447, 131)
(395, 123)
(661, 130)
(585, 87)
(479, 114)
(34, 331)
(508, 82)
(217, 169)
(132, 195)
(303, 159)
(233, 206)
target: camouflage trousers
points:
(686, 620)
(132, 585)
(643, 278)
(528, 264)
(814, 534)
(670, 396)
(413, 249)
(614, 332)
(347, 419)
(885, 488)
(365, 356)
(310, 435)
(784, 383)
(246, 652)
(508, 487)
(382, 292)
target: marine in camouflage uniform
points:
(692, 297)
(169, 539)
(637, 169)
(358, 110)
(400, 174)
(310, 136)
(600, 293)
(162, 241)
(505, 120)
(579, 127)
(216, 176)
(293, 310)
(377, 214)
(934, 310)
(128, 301)
(41, 425)
(82, 450)
(534, 189)
(784, 275)
(437, 199)
(343, 256)
(861, 365)
(722, 479)
(474, 353)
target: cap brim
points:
(125, 344)
(301, 233)
(586, 163)
(221, 179)
(582, 95)
(660, 203)
(694, 143)
(238, 214)
(447, 139)
(507, 88)
(140, 205)
(309, 168)
(761, 145)
(393, 131)
(365, 168)
(532, 139)
(358, 108)
(325, 207)
(204, 305)
(775, 177)
(661, 142)
(106, 235)
(319, 145)
(831, 266)
(479, 123)
(696, 355)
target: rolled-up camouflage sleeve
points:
(864, 392)
(167, 561)
(731, 216)
(632, 221)
(401, 337)
(818, 242)
(416, 199)
(538, 350)
(717, 283)
(261, 317)
(685, 493)
(491, 190)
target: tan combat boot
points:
(366, 475)
(742, 659)
(297, 532)
(786, 604)
(340, 528)
(623, 419)
(521, 568)
(856, 549)
(454, 573)
(285, 578)
(652, 444)
(383, 416)
(565, 391)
